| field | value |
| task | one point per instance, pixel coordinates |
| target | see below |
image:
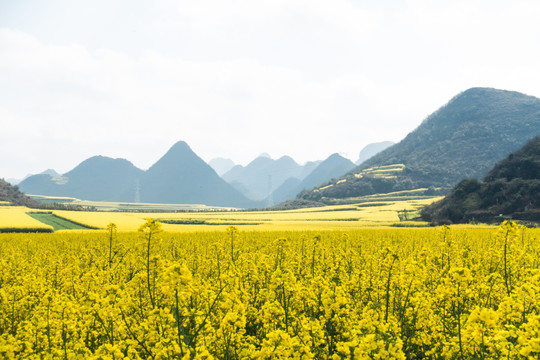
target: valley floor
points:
(353, 216)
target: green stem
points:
(148, 271)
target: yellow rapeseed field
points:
(325, 218)
(425, 293)
(16, 218)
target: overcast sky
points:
(306, 78)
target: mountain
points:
(463, 139)
(182, 177)
(285, 191)
(372, 149)
(308, 167)
(98, 178)
(334, 166)
(51, 172)
(262, 175)
(14, 196)
(511, 189)
(221, 165)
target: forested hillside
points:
(510, 190)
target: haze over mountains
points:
(180, 176)
(14, 181)
(221, 165)
(263, 175)
(463, 139)
(372, 149)
(334, 166)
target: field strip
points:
(57, 222)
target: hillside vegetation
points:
(510, 190)
(11, 195)
(463, 139)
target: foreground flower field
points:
(432, 293)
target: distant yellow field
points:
(125, 206)
(322, 218)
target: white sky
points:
(304, 78)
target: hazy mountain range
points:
(462, 139)
(180, 176)
(258, 179)
(328, 169)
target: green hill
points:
(11, 195)
(510, 190)
(463, 139)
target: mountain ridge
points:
(170, 179)
(201, 184)
(263, 174)
(333, 166)
(463, 138)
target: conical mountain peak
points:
(180, 146)
(181, 176)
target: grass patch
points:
(373, 204)
(57, 222)
(338, 209)
(25, 230)
(411, 224)
(125, 206)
